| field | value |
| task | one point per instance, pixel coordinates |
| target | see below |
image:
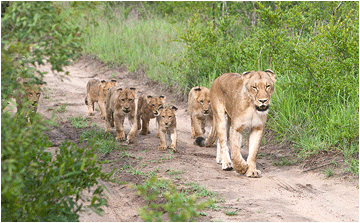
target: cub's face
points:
(155, 103)
(33, 94)
(167, 115)
(260, 86)
(126, 99)
(203, 99)
(106, 85)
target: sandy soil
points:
(283, 193)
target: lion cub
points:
(167, 126)
(148, 108)
(96, 92)
(120, 103)
(28, 94)
(200, 110)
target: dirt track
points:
(283, 193)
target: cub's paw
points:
(130, 140)
(158, 135)
(227, 166)
(103, 117)
(253, 173)
(143, 132)
(173, 148)
(162, 148)
(91, 114)
(120, 138)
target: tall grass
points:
(138, 44)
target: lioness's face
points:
(155, 103)
(203, 99)
(106, 85)
(260, 87)
(167, 115)
(126, 99)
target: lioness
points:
(96, 92)
(28, 93)
(167, 127)
(120, 103)
(148, 108)
(244, 100)
(200, 110)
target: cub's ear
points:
(162, 97)
(103, 81)
(160, 107)
(244, 73)
(271, 74)
(197, 88)
(133, 89)
(119, 89)
(174, 108)
(113, 80)
(149, 96)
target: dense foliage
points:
(35, 186)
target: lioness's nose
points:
(263, 100)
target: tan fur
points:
(200, 110)
(148, 108)
(96, 92)
(242, 101)
(120, 103)
(167, 127)
(28, 93)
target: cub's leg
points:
(119, 120)
(173, 137)
(145, 126)
(254, 146)
(203, 122)
(238, 161)
(158, 126)
(195, 127)
(109, 120)
(102, 109)
(90, 105)
(162, 145)
(133, 130)
(139, 112)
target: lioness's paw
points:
(218, 160)
(161, 148)
(253, 174)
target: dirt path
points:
(283, 193)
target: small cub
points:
(96, 92)
(167, 126)
(200, 110)
(120, 103)
(148, 108)
(29, 94)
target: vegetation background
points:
(313, 47)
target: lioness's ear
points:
(197, 88)
(244, 73)
(271, 74)
(174, 108)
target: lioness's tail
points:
(200, 141)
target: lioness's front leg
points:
(119, 120)
(222, 138)
(238, 161)
(254, 145)
(133, 130)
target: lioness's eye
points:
(163, 116)
(170, 116)
(30, 94)
(153, 105)
(267, 87)
(123, 99)
(38, 94)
